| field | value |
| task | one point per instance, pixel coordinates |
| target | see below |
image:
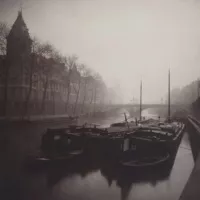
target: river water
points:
(97, 181)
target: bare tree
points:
(86, 78)
(97, 81)
(102, 94)
(4, 30)
(5, 68)
(92, 96)
(69, 63)
(57, 57)
(82, 71)
(31, 72)
(45, 51)
(77, 92)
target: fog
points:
(125, 41)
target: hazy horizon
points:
(125, 41)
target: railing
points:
(191, 190)
(194, 134)
(193, 119)
(195, 123)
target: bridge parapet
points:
(136, 107)
(149, 105)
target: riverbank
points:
(191, 190)
(54, 118)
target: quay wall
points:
(191, 190)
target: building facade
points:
(32, 85)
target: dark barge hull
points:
(104, 146)
(171, 146)
(43, 162)
(146, 162)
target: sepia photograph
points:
(100, 99)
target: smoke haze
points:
(125, 41)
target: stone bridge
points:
(161, 108)
(145, 106)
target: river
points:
(95, 181)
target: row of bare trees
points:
(86, 85)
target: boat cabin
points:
(59, 142)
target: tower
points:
(18, 59)
(18, 40)
(18, 49)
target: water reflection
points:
(119, 116)
(150, 113)
(105, 121)
(97, 178)
(96, 174)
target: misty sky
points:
(124, 40)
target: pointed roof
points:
(19, 27)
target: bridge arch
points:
(134, 110)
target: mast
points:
(169, 103)
(140, 100)
(198, 86)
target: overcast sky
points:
(124, 40)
